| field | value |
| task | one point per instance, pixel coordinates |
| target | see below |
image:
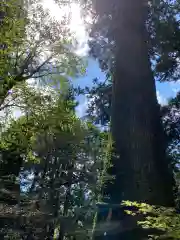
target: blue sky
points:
(92, 71)
(164, 90)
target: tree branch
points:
(37, 69)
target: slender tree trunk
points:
(66, 206)
(139, 162)
(9, 190)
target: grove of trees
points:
(114, 174)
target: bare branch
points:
(37, 69)
(47, 74)
(29, 58)
(11, 105)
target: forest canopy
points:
(114, 173)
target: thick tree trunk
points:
(139, 162)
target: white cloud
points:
(82, 108)
(161, 99)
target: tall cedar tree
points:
(138, 162)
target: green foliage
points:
(65, 155)
(36, 48)
(42, 113)
(48, 128)
(13, 24)
(171, 119)
(165, 34)
(155, 217)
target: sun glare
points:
(54, 9)
(76, 23)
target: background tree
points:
(63, 158)
(36, 47)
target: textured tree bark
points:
(139, 162)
